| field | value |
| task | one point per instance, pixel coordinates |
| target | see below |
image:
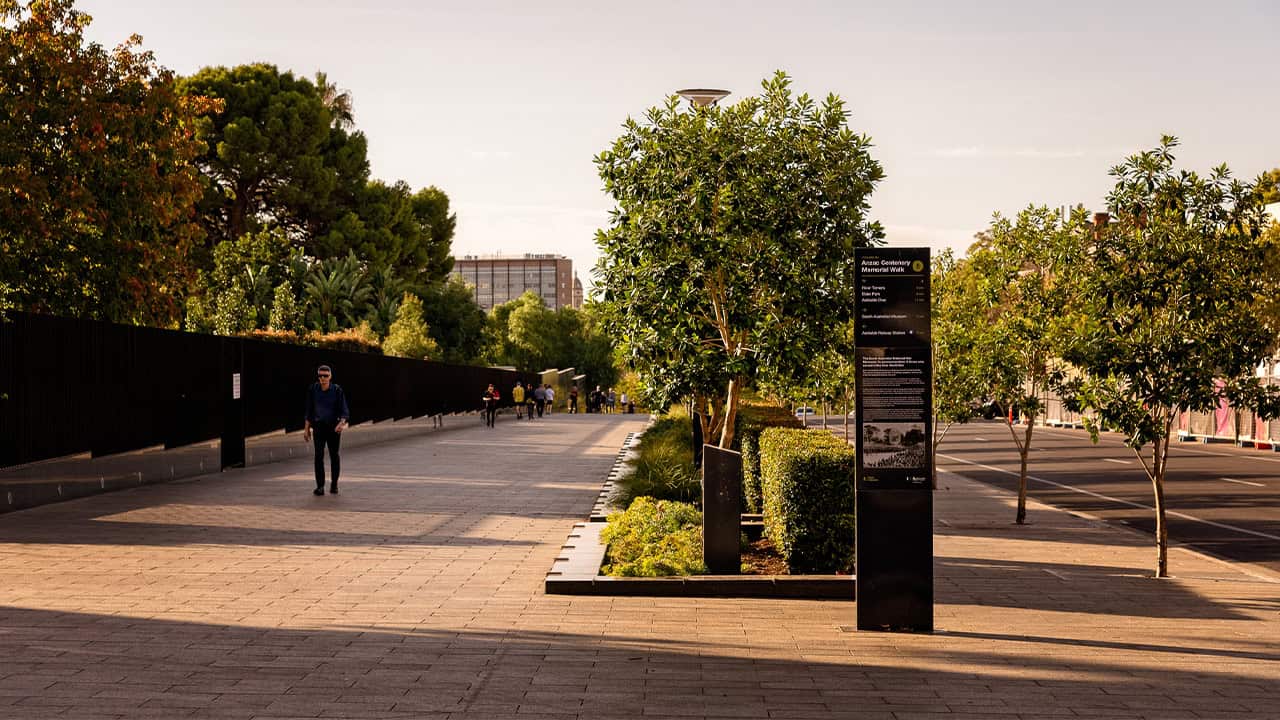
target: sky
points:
(973, 107)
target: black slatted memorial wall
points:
(71, 386)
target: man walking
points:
(517, 397)
(573, 400)
(326, 418)
(540, 399)
(551, 398)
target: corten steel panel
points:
(721, 510)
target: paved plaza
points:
(417, 593)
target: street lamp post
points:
(702, 97)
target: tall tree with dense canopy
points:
(1161, 286)
(455, 321)
(730, 252)
(283, 152)
(96, 181)
(273, 156)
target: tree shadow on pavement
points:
(1071, 588)
(104, 666)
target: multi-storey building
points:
(497, 280)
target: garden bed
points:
(577, 572)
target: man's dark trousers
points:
(325, 435)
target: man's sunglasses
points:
(325, 375)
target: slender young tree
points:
(1161, 283)
(1021, 272)
(960, 385)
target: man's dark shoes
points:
(333, 489)
(319, 491)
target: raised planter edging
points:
(576, 570)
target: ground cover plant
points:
(653, 538)
(663, 466)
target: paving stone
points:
(417, 593)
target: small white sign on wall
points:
(235, 386)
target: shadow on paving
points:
(389, 497)
(97, 666)
(1085, 589)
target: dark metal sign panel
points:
(894, 381)
(894, 450)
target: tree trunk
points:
(703, 417)
(1021, 516)
(1159, 462)
(730, 413)
(824, 414)
(846, 420)
(1024, 452)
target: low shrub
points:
(808, 495)
(286, 337)
(358, 339)
(663, 465)
(752, 420)
(654, 538)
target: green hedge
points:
(751, 421)
(654, 538)
(807, 481)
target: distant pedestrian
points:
(530, 401)
(573, 400)
(595, 402)
(517, 397)
(551, 398)
(623, 403)
(611, 401)
(326, 417)
(540, 399)
(490, 399)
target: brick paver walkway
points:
(417, 594)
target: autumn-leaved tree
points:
(96, 177)
(1162, 287)
(729, 256)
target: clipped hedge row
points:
(654, 538)
(751, 421)
(807, 482)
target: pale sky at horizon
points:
(974, 107)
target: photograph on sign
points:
(893, 445)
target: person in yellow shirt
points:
(517, 396)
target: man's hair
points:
(325, 368)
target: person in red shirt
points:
(490, 399)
